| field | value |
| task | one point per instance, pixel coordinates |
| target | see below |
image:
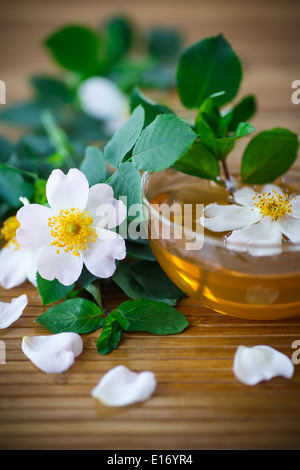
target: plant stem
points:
(229, 182)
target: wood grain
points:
(198, 403)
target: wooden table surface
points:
(198, 403)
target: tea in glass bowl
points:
(253, 278)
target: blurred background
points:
(264, 33)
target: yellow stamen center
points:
(72, 230)
(273, 204)
(8, 231)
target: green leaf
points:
(118, 317)
(75, 48)
(151, 108)
(51, 88)
(208, 118)
(162, 143)
(28, 113)
(153, 317)
(138, 250)
(164, 43)
(242, 112)
(74, 315)
(269, 155)
(57, 136)
(6, 148)
(206, 68)
(119, 34)
(124, 139)
(199, 161)
(94, 290)
(224, 145)
(126, 181)
(148, 280)
(52, 291)
(94, 166)
(110, 337)
(209, 125)
(153, 278)
(13, 186)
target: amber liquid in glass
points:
(237, 284)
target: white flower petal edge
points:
(10, 312)
(53, 354)
(121, 386)
(17, 265)
(255, 364)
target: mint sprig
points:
(84, 316)
(140, 315)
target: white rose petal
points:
(102, 99)
(258, 363)
(121, 386)
(54, 353)
(10, 312)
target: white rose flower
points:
(73, 231)
(16, 264)
(258, 221)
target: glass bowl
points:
(229, 280)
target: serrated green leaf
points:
(208, 67)
(153, 317)
(74, 315)
(162, 143)
(269, 155)
(93, 165)
(126, 181)
(124, 139)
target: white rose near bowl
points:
(103, 100)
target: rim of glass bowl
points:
(290, 247)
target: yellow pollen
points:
(273, 204)
(72, 230)
(8, 231)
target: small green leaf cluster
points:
(83, 316)
(118, 50)
(208, 79)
